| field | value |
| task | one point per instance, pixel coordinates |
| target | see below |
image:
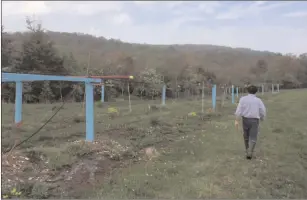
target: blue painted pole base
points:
(163, 94)
(213, 97)
(18, 104)
(89, 92)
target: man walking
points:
(251, 109)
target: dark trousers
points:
(250, 134)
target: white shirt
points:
(251, 106)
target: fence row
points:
(217, 93)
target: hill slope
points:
(229, 64)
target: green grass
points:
(200, 157)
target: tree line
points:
(181, 69)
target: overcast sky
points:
(261, 25)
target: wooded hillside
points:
(181, 67)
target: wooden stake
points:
(202, 97)
(129, 98)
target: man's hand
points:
(237, 124)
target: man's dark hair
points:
(251, 89)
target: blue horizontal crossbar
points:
(12, 77)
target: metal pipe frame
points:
(89, 92)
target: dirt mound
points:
(37, 174)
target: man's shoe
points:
(248, 155)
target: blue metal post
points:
(213, 97)
(163, 94)
(18, 103)
(89, 89)
(237, 89)
(102, 93)
(232, 94)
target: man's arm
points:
(262, 110)
(238, 112)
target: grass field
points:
(192, 156)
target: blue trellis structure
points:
(211, 85)
(89, 92)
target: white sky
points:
(261, 25)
